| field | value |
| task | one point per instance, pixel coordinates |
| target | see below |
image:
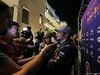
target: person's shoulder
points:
(3, 42)
(3, 58)
(67, 47)
(2, 55)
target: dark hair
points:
(68, 37)
(3, 6)
(29, 28)
(14, 23)
(47, 36)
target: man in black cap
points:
(61, 62)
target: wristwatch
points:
(44, 53)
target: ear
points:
(66, 35)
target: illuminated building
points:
(36, 14)
(52, 21)
(28, 13)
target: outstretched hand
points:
(49, 48)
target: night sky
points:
(67, 10)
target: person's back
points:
(75, 46)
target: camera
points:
(26, 33)
(25, 29)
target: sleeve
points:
(3, 59)
(5, 49)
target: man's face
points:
(5, 20)
(60, 36)
(13, 31)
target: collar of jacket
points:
(63, 43)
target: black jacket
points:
(61, 61)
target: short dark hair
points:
(29, 28)
(14, 23)
(3, 6)
(68, 37)
(47, 36)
